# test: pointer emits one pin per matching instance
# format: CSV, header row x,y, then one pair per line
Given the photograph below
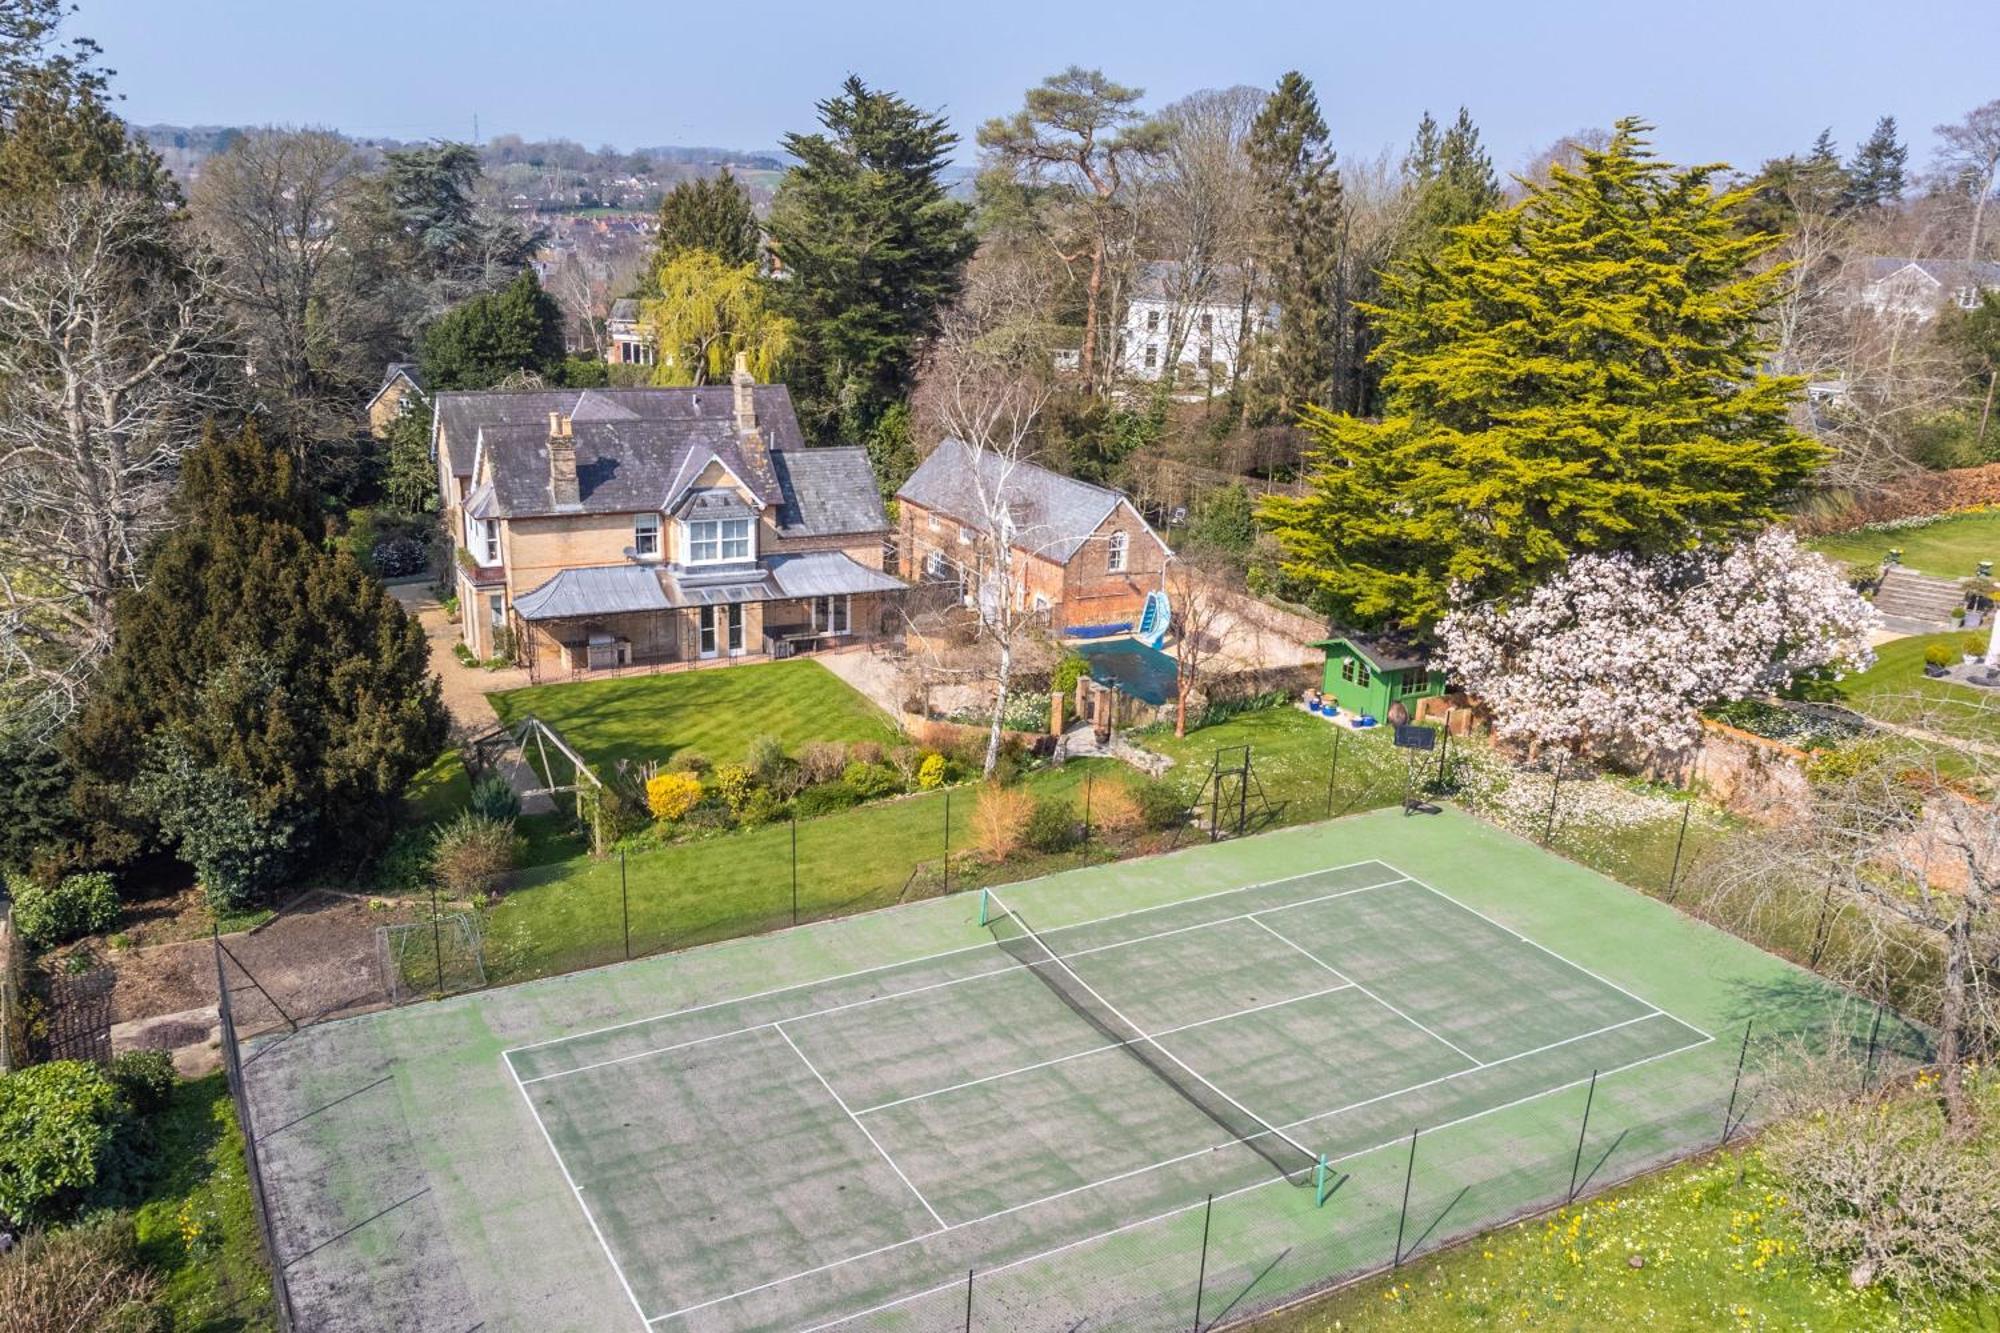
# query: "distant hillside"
x,y
559,171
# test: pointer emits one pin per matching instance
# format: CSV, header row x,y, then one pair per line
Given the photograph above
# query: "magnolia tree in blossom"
x,y
1619,653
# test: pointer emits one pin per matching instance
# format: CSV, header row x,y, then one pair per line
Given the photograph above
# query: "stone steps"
x,y
1906,595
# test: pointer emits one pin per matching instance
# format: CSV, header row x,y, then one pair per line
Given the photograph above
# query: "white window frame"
x,y
496,610
935,526
646,536
715,534
1115,552
833,614
1152,356
489,541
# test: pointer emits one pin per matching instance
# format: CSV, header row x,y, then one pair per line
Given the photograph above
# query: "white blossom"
x,y
1619,653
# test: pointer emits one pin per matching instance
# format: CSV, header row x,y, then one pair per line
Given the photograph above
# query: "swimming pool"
x,y
1147,674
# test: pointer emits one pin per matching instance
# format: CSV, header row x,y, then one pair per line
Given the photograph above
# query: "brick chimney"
x,y
562,462
748,434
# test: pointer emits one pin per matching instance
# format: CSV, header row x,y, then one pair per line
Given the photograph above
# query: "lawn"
x,y
1895,689
569,913
714,713
195,1221
1949,548
1702,1246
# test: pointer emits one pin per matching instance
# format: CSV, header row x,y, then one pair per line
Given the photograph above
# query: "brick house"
x,y
1083,554
606,528
627,341
402,391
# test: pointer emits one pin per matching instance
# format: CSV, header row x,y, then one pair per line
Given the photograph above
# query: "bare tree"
x,y
985,387
582,298
1969,159
1892,869
109,361
1197,590
272,208
1196,205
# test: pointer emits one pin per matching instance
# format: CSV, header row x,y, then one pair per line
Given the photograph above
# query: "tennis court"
x,y
795,1157
1117,1097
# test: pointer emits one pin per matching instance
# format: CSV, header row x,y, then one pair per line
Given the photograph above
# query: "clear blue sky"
x,y
1736,80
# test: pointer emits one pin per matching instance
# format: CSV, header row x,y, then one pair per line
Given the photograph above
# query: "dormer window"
x,y
717,540
646,536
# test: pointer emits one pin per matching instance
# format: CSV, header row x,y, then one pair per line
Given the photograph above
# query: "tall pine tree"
x,y
711,213
1300,221
266,702
1876,175
872,247
1581,372
1450,177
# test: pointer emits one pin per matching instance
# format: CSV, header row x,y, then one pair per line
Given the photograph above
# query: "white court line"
x,y
1426,1030
1119,1014
1002,971
1602,1075
837,1101
1550,952
577,1190
947,953
1109,1046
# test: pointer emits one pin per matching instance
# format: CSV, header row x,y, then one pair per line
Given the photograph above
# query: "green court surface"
x,y
1132,1089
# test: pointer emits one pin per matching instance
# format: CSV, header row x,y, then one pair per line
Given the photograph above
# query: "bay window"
x,y
714,540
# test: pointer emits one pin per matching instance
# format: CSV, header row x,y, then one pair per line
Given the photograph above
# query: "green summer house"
x,y
1367,673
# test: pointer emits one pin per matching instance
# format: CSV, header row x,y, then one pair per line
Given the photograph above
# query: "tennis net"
x,y
1020,942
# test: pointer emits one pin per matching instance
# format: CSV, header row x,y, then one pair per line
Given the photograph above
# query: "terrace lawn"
x,y
1895,689
571,912
716,713
1949,548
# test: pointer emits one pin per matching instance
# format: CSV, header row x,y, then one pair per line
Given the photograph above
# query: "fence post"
x,y
1201,1274
1729,1113
1409,1174
1582,1130
437,937
947,842
1243,794
1825,920
1444,748
1674,872
1874,1031
968,1299
1332,772
624,904
1088,778
1555,788
795,870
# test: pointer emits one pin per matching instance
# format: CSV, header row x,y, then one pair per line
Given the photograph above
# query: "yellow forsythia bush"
x,y
671,795
1000,820
930,773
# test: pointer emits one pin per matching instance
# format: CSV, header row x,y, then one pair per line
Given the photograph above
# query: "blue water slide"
x,y
1154,620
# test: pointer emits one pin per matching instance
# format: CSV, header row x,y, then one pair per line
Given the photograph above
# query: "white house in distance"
x,y
1213,326
1918,289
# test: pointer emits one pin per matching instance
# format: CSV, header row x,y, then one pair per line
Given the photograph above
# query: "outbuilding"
x,y
1365,673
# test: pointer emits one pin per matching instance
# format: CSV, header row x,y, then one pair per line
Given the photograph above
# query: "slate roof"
x,y
828,491
580,594
1385,652
596,591
1949,273
395,370
624,310
639,450
1053,515
1155,277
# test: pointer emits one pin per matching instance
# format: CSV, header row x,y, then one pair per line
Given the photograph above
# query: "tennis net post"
x,y
985,907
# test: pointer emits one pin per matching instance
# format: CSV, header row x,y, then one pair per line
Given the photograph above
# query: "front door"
x,y
736,629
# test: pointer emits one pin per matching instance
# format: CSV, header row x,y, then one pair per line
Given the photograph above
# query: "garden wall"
x,y
1918,495
1748,775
